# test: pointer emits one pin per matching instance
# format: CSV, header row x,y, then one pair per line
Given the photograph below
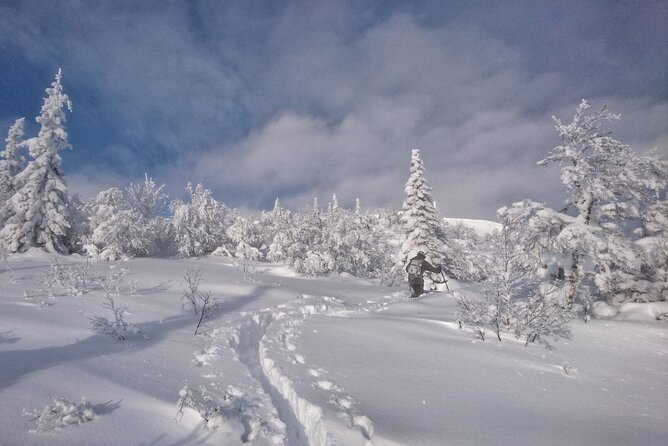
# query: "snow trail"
x,y
258,335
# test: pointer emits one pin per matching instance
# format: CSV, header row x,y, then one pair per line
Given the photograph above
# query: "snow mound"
x,y
643,311
481,227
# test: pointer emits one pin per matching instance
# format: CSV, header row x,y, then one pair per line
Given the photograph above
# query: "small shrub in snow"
x,y
118,328
541,314
112,285
38,299
60,413
202,401
73,280
474,314
7,266
202,304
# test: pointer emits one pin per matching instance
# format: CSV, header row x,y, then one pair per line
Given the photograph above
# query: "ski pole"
x,y
445,281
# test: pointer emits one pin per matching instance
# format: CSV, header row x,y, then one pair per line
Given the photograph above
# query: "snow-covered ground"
x,y
481,227
298,361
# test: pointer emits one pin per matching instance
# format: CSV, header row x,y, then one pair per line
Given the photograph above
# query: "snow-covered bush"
x,y
112,225
275,229
73,279
466,261
117,328
147,202
112,285
128,224
199,227
203,402
60,413
538,314
473,313
246,235
523,291
541,314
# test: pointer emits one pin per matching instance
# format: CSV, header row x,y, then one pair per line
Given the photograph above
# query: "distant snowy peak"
x,y
481,227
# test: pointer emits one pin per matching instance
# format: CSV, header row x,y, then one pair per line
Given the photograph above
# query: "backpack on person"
x,y
414,269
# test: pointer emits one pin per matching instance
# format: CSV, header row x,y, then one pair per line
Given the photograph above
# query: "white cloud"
x,y
455,96
297,102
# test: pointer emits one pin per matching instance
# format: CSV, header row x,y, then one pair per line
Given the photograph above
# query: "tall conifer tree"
x,y
422,227
11,163
39,207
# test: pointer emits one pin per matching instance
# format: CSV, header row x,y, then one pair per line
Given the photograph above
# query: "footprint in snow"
x,y
343,403
202,357
327,385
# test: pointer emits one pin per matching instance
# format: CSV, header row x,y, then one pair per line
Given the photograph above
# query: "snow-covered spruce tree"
x,y
199,226
112,225
11,163
147,202
305,254
609,187
276,232
348,241
39,207
422,225
80,231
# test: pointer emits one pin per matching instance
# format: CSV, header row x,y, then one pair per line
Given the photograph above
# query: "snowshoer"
x,y
415,269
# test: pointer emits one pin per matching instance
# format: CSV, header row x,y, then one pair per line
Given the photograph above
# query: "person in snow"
x,y
415,269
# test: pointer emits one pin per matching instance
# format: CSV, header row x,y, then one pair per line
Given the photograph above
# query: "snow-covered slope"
x,y
481,227
297,361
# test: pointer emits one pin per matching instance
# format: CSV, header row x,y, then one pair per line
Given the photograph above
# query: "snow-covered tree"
x,y
422,225
128,224
464,248
11,162
148,202
80,230
246,237
199,226
305,252
146,198
348,241
512,271
276,229
525,278
112,225
610,189
39,207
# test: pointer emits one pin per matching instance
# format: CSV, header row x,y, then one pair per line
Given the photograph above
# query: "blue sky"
x,y
301,99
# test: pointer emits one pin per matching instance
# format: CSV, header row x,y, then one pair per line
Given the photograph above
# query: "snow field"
x,y
326,361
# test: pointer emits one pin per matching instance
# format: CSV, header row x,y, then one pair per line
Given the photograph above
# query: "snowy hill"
x,y
297,361
481,227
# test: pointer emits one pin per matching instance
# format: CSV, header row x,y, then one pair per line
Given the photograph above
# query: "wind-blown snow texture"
x,y
324,361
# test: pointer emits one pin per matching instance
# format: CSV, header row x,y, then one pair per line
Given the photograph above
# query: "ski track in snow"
x,y
294,420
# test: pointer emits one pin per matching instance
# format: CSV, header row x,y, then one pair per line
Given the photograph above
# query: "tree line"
x,y
608,241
